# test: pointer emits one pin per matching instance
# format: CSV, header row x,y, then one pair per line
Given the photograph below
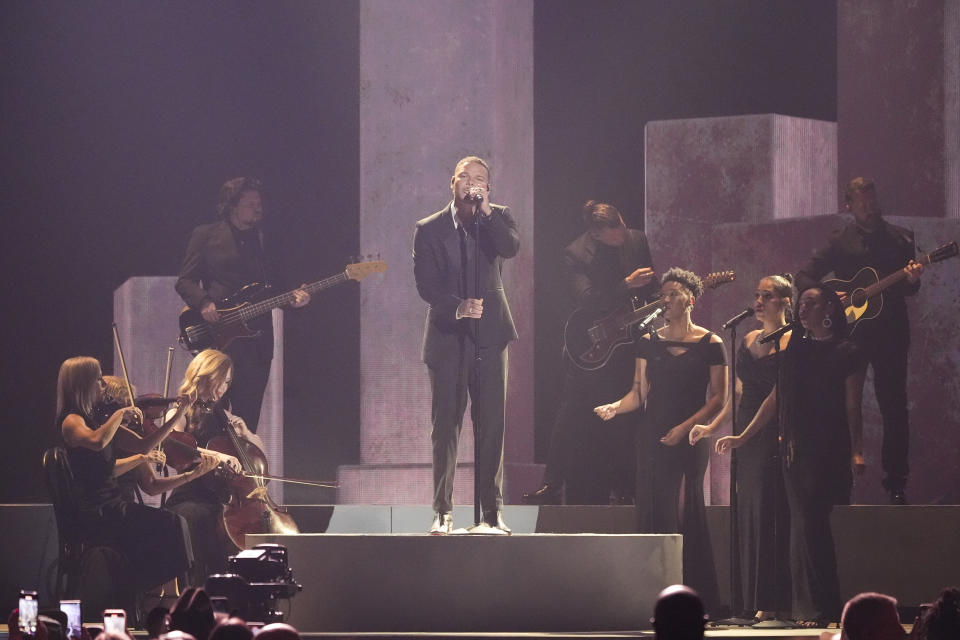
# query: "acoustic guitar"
x,y
864,291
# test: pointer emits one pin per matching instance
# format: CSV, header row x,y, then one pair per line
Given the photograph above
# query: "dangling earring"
x,y
827,322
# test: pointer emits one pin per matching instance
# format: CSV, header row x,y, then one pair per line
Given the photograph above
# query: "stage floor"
x,y
731,633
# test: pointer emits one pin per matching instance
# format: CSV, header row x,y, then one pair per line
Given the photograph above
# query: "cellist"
x,y
206,380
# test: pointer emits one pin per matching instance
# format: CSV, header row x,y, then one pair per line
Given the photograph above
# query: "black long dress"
x,y
154,543
678,385
816,466
763,519
201,504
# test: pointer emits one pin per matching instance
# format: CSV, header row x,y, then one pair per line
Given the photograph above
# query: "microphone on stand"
x,y
737,319
779,332
642,327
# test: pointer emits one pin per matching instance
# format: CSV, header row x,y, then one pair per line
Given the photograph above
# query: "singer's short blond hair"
x,y
469,160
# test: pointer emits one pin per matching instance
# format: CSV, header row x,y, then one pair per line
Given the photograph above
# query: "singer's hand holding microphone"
x,y
478,195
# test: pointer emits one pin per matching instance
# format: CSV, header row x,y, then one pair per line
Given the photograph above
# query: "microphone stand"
x,y
479,526
776,622
736,601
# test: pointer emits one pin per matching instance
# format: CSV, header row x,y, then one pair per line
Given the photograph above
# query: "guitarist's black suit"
x,y
594,458
884,339
219,261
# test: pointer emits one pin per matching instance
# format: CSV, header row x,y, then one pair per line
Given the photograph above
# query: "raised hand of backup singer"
x,y
633,399
607,411
698,432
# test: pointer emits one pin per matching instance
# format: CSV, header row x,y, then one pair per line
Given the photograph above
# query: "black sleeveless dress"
x,y
763,519
678,386
201,504
154,542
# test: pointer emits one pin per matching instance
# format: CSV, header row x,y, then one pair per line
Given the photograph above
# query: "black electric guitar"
x,y
864,292
589,338
251,301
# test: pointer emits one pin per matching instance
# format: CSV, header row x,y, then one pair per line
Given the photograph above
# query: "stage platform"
x,y
910,552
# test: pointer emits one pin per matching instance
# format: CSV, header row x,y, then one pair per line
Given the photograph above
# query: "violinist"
x,y
206,380
143,476
153,541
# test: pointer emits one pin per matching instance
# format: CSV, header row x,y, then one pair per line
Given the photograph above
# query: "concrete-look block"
x,y
739,169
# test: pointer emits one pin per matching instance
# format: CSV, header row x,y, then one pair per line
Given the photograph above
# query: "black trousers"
x,y
812,490
593,457
662,472
251,369
885,345
450,382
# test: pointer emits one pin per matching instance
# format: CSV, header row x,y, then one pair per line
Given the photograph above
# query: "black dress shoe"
x,y
897,496
547,494
495,519
442,523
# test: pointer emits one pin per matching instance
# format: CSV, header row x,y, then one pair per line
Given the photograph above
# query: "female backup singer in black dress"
x,y
152,541
822,380
680,381
762,517
206,380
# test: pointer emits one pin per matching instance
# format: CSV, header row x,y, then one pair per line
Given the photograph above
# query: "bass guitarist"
x,y
871,241
221,259
606,266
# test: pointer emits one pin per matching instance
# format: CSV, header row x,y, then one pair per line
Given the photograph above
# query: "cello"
x,y
249,509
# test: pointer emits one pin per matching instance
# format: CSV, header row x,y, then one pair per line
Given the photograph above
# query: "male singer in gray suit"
x,y
447,247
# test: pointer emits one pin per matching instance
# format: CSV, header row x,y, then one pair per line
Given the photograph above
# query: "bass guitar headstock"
x,y
360,270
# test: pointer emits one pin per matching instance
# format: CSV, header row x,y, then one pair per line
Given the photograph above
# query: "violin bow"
x,y
123,365
309,483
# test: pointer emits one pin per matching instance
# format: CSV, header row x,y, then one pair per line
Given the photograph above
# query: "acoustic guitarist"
x,y
221,259
871,241
605,266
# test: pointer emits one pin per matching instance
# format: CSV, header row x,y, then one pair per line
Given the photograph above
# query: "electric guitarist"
x,y
606,266
222,258
871,241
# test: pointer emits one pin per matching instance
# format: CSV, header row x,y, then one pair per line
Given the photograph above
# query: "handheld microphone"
x,y
737,319
790,326
474,194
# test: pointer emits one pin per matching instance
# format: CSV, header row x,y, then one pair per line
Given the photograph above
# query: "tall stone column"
x,y
439,80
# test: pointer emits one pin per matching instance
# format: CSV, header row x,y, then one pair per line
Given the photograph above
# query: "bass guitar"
x,y
863,299
589,338
253,300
